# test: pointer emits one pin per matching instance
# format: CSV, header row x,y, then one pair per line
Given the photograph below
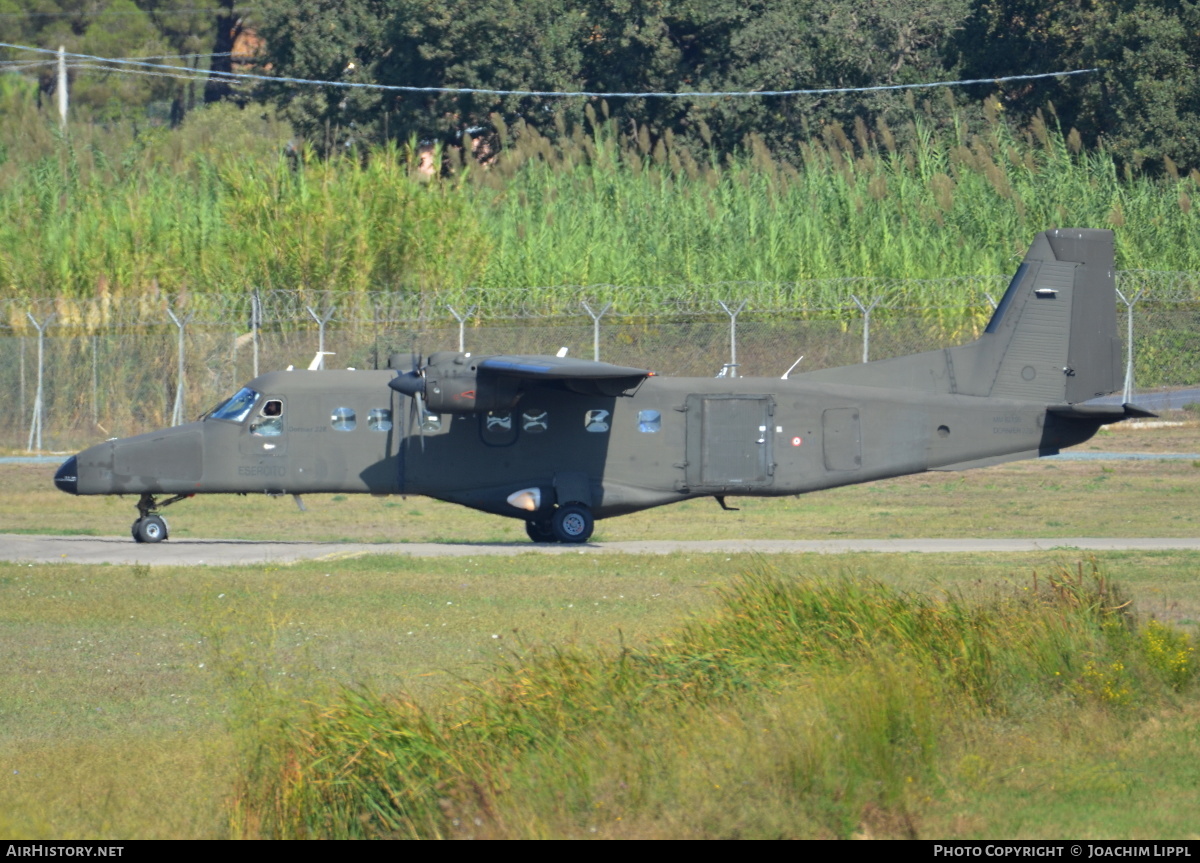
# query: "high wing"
x,y
456,382
535,367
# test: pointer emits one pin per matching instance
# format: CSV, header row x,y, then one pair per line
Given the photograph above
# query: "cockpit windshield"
x,y
238,407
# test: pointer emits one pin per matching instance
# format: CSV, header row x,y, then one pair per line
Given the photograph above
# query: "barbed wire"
x,y
814,298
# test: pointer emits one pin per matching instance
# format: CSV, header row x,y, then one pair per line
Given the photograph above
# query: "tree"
x,y
1143,101
597,46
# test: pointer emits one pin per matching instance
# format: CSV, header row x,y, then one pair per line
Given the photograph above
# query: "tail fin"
x,y
1053,337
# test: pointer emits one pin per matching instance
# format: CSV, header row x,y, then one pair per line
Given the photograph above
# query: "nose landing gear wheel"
x,y
540,531
150,528
573,523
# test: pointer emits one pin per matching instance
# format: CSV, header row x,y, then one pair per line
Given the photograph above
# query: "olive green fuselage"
x,y
667,440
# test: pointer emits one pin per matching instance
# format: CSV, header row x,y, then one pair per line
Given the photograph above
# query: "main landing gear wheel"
x,y
540,531
573,523
150,528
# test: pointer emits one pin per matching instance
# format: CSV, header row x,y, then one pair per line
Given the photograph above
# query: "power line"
x,y
52,61
695,94
150,12
182,56
183,73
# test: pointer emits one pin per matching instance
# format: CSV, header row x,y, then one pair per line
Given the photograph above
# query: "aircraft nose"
x,y
67,477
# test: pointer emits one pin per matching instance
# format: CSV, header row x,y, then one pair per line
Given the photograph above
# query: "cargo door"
x,y
729,442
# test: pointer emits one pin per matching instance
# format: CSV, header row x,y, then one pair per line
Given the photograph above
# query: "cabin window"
x,y
343,419
649,421
270,420
596,421
498,428
237,408
535,421
379,419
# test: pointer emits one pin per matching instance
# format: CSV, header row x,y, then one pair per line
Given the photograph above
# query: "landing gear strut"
x,y
150,526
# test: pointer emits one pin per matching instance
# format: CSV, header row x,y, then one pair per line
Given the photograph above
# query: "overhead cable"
x,y
694,94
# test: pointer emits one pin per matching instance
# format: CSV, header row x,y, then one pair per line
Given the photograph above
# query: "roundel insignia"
x,y
796,441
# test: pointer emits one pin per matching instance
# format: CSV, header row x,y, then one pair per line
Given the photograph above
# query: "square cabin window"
x,y
649,421
379,419
343,419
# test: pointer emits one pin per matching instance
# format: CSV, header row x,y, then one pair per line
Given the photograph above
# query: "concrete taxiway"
x,y
229,552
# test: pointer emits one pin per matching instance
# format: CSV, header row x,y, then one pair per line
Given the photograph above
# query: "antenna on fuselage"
x,y
318,362
790,368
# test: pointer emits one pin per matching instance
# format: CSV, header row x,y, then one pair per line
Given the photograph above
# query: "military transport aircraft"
x,y
560,442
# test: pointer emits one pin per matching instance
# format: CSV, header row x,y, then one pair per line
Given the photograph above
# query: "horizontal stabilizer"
x,y
1099,413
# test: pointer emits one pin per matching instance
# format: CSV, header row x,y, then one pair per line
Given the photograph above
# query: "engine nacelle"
x,y
451,383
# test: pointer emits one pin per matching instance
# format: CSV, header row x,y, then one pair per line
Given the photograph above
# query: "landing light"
x,y
528,499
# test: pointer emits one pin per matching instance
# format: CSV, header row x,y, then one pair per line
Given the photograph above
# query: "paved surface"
x,y
221,552
1157,401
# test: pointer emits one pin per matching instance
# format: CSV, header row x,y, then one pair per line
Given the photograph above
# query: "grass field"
x,y
131,698
135,701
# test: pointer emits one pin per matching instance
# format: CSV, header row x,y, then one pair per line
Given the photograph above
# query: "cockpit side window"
x,y
269,422
237,408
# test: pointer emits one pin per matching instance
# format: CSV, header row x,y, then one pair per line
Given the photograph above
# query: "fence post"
x,y
733,316
177,410
595,316
321,322
95,380
39,405
21,372
1127,395
866,312
462,323
255,325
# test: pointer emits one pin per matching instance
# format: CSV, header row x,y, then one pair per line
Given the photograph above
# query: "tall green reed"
x,y
99,210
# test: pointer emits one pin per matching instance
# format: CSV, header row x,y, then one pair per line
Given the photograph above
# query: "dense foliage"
x,y
173,32
1140,103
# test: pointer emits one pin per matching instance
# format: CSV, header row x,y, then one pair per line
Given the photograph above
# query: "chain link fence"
x,y
75,371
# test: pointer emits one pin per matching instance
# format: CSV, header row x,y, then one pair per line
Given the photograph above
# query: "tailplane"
x,y
1053,337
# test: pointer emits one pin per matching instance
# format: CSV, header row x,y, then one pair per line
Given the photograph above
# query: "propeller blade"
x,y
412,414
412,384
420,403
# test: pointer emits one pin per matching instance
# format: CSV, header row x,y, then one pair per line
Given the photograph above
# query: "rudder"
x,y
1055,330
